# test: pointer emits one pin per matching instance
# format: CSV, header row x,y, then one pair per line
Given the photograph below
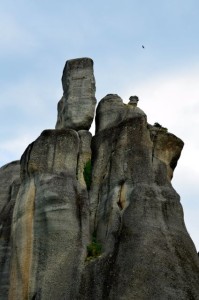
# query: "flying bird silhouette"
x,y
143,47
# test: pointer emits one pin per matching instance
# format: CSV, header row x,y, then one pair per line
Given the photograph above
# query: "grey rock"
x,y
50,220
133,100
84,155
166,148
8,174
111,111
9,186
117,232
77,106
136,215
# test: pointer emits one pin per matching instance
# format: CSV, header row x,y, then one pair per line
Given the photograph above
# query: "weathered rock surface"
x,y
9,186
84,155
117,233
136,214
77,106
50,220
166,148
112,111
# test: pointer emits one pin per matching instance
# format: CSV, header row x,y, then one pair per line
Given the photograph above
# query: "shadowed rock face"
x,y
118,233
9,186
135,212
77,106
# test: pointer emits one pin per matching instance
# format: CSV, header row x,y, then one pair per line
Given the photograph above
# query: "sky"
x,y
37,37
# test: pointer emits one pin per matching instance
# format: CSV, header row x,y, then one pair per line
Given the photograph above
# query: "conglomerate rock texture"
x,y
96,218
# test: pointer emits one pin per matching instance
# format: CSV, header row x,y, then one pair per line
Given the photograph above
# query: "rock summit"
x,y
95,218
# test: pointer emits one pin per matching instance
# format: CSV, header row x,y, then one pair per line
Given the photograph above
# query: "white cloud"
x,y
169,97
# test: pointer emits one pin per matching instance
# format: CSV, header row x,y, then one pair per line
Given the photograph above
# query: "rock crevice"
x,y
95,217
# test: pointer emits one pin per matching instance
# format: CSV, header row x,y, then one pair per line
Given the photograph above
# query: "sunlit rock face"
x,y
95,217
77,106
166,148
9,186
50,220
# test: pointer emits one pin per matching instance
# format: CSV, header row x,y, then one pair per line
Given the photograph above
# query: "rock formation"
x,y
96,217
135,212
76,107
9,186
50,219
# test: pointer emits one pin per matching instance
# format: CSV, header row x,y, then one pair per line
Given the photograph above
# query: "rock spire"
x,y
89,218
77,106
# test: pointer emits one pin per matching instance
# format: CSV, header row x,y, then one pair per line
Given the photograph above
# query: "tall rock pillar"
x,y
77,106
50,224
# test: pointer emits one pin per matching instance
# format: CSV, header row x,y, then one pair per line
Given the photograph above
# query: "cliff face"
x,y
9,186
136,214
50,220
115,233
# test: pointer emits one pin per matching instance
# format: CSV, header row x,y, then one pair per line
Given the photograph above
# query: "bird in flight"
x,y
143,46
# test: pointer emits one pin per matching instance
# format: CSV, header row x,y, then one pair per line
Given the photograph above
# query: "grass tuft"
x,y
88,174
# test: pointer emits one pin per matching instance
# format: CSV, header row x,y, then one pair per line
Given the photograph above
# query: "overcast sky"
x,y
37,37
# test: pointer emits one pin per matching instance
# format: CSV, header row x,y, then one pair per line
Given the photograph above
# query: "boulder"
x,y
77,106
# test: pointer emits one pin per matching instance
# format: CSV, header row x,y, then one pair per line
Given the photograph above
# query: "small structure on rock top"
x,y
133,101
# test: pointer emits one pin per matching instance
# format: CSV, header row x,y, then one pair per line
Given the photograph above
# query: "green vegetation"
x,y
94,249
88,174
